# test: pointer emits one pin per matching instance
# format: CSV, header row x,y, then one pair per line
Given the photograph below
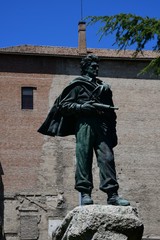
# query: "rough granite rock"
x,y
100,222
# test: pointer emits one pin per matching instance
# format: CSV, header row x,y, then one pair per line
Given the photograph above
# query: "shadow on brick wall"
x,y
2,237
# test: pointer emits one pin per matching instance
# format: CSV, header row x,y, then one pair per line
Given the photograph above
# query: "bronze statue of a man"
x,y
85,108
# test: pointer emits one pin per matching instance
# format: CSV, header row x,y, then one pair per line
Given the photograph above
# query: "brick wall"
x,y
21,143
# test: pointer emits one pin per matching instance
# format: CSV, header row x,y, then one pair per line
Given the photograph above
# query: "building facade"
x,y
37,172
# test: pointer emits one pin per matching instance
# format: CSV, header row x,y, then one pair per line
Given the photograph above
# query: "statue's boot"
x,y
86,199
114,199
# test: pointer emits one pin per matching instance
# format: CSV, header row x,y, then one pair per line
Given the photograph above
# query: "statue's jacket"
x,y
61,119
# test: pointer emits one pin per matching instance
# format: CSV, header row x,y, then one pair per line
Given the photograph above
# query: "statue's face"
x,y
92,70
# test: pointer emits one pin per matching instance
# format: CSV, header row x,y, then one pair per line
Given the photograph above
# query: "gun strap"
x,y
92,94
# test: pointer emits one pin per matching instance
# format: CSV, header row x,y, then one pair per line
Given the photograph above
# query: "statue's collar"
x,y
89,79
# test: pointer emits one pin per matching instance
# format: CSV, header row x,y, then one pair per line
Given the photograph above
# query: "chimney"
x,y
82,38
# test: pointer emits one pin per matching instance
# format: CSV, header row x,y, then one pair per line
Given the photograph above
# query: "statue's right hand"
x,y
88,107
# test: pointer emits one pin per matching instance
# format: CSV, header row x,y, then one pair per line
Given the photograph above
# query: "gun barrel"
x,y
104,106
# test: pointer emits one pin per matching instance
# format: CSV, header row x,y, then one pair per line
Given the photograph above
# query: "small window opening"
x,y
27,97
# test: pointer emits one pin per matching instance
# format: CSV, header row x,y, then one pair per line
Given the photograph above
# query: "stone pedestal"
x,y
100,222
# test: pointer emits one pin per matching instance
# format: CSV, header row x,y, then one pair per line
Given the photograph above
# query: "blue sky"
x,y
55,22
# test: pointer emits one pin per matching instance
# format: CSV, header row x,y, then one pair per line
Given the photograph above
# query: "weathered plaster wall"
x,y
137,155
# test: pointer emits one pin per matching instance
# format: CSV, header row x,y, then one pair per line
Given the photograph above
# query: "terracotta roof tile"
x,y
68,51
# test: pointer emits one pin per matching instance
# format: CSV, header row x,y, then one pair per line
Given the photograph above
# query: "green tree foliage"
x,y
131,30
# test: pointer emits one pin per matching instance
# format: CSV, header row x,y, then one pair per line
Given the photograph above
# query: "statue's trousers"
x,y
91,136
